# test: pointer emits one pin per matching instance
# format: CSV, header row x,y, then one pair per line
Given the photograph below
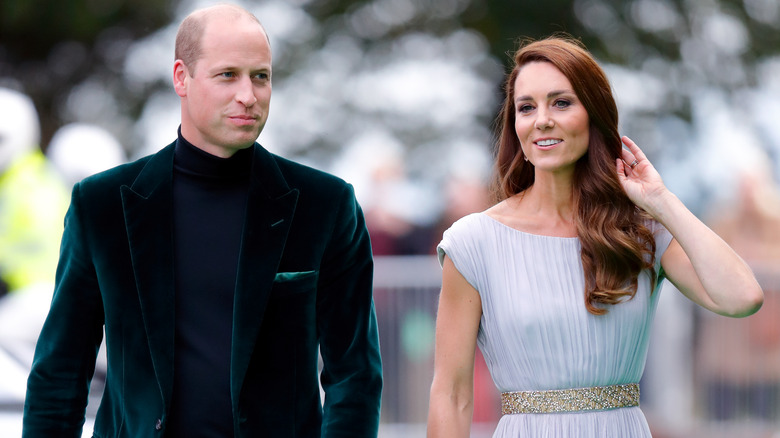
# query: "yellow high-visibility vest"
x,y
33,202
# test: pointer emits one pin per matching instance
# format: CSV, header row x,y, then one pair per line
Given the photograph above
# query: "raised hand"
x,y
639,179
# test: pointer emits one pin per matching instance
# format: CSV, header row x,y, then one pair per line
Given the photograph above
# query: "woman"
x,y
579,216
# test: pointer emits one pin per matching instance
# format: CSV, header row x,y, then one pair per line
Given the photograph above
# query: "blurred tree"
x,y
716,42
49,46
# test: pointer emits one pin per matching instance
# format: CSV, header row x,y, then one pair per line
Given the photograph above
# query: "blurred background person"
x,y
738,360
33,201
400,211
34,196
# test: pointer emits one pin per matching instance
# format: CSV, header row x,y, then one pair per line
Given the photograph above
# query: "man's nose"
x,y
245,94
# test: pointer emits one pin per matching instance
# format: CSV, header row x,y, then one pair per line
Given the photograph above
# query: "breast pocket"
x,y
291,308
294,283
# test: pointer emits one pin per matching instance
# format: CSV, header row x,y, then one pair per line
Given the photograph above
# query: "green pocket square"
x,y
290,276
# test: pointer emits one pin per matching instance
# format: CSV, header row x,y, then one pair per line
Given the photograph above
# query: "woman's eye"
x,y
524,108
561,103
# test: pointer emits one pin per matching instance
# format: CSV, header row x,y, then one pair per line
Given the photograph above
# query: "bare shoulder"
x,y
529,217
509,212
500,210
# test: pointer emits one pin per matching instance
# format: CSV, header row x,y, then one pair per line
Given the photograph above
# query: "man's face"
x,y
225,95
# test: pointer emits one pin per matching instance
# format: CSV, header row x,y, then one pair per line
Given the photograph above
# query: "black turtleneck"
x,y
209,203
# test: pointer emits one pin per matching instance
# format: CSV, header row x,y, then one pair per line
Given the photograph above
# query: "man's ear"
x,y
180,76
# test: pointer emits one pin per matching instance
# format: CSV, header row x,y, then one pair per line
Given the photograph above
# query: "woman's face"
x,y
550,121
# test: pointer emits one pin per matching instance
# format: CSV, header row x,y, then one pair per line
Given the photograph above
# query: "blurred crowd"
x,y
700,366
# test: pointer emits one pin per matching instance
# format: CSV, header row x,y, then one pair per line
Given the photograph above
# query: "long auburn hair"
x,y
616,244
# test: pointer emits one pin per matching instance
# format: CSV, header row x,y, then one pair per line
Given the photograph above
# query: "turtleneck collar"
x,y
194,162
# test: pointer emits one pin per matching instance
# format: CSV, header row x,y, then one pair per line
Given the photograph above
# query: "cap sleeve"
x,y
460,244
662,240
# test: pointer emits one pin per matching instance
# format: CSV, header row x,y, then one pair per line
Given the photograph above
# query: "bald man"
x,y
218,272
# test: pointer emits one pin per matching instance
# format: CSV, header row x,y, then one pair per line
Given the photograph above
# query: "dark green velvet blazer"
x,y
304,281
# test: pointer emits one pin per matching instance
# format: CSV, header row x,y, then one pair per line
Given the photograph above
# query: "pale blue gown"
x,y
535,332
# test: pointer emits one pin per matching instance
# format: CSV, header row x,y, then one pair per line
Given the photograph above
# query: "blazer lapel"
x,y
149,222
270,208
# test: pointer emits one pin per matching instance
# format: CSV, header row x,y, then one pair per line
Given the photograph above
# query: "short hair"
x,y
191,29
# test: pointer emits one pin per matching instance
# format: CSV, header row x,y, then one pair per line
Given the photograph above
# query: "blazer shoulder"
x,y
306,178
108,182
117,175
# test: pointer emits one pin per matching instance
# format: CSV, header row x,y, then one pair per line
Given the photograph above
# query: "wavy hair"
x,y
616,243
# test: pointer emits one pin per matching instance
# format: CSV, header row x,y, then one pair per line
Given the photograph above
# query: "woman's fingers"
x,y
627,157
638,154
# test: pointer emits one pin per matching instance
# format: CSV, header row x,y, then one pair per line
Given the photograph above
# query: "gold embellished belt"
x,y
570,400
